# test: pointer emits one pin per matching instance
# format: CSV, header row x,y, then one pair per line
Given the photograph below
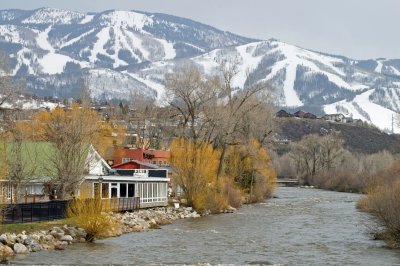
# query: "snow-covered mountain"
x,y
49,45
308,80
122,53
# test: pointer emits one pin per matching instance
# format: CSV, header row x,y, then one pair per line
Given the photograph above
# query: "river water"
x,y
300,226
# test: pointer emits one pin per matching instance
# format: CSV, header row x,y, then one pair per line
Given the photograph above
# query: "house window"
x,y
165,162
114,190
131,190
96,190
104,190
154,162
122,190
125,160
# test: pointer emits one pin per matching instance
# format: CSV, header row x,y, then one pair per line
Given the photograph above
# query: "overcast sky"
x,y
359,29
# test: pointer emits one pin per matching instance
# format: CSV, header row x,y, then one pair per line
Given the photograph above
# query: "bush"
x,y
383,203
231,193
89,215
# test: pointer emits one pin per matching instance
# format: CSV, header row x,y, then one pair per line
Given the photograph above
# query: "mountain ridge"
x,y
124,53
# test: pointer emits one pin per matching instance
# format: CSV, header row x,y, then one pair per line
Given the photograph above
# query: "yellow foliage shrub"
x,y
88,213
195,165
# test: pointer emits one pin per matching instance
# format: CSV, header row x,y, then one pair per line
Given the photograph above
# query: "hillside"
x,y
358,138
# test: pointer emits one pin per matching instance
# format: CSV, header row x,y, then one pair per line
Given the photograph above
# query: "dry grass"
x,y
383,203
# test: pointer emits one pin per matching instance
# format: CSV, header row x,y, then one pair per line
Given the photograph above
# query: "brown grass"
x,y
383,203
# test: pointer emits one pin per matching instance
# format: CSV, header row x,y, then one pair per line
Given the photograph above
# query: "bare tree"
x,y
189,92
331,150
306,154
69,132
21,159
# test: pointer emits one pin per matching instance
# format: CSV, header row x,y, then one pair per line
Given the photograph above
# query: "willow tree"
x,y
250,166
195,164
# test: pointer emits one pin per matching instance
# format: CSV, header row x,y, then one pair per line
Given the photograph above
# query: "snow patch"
x,y
98,48
86,19
379,67
126,19
53,16
169,49
159,88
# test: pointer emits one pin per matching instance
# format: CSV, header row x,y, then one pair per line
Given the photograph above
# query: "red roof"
x,y
135,164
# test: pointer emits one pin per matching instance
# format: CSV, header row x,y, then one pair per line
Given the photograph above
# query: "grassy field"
x,y
31,227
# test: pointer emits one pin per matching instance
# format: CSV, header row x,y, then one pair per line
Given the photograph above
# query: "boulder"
x,y
48,238
67,238
143,223
6,252
10,240
47,246
36,237
20,248
32,245
60,245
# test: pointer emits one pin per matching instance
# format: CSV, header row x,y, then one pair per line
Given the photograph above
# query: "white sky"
x,y
360,29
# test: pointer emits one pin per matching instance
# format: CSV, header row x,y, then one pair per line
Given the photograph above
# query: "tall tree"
x,y
195,164
70,133
189,92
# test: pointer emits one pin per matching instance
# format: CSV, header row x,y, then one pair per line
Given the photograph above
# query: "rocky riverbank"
x,y
60,237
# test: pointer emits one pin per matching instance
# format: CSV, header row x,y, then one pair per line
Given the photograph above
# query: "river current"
x,y
298,227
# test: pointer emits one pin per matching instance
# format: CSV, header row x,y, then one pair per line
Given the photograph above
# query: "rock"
x,y
6,252
67,238
20,248
143,224
47,246
22,237
35,237
48,238
57,232
10,240
60,245
183,201
35,247
80,232
3,239
32,244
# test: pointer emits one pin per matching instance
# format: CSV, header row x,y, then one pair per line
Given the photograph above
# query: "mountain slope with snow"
x,y
302,79
124,53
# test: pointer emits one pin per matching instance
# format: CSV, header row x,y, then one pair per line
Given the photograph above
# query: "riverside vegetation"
x,y
323,161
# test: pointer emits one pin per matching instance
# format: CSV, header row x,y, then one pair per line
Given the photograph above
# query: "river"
x,y
300,226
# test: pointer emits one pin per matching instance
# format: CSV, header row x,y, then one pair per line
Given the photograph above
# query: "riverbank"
x,y
59,237
298,227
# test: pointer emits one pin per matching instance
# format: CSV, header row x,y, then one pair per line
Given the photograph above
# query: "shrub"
x,y
195,164
231,193
89,214
383,203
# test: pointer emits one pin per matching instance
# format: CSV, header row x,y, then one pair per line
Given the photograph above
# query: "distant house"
x,y
335,117
299,114
309,116
283,113
348,119
156,157
302,114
